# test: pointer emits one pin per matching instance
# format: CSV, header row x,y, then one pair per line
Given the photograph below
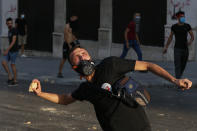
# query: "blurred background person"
x,y
21,26
181,52
71,26
131,38
11,53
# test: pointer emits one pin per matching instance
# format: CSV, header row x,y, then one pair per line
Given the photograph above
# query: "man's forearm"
x,y
56,98
142,66
50,97
169,40
11,45
160,72
168,43
192,36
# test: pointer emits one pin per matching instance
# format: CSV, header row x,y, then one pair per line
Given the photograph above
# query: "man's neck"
x,y
179,23
90,77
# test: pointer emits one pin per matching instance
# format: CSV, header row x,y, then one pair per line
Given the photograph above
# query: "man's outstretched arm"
x,y
63,99
156,69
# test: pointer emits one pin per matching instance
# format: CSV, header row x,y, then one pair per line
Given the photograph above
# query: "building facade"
x,y
101,24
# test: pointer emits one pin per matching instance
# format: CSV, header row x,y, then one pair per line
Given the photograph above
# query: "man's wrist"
x,y
39,94
174,80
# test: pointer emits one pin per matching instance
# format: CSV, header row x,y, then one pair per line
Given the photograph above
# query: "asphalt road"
x,y
170,110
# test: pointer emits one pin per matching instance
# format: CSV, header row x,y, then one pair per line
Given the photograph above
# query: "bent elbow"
x,y
150,66
63,103
65,99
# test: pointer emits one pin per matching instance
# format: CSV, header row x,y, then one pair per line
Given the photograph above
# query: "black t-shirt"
x,y
181,32
21,26
111,113
11,33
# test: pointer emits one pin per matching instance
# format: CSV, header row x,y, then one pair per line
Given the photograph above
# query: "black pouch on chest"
x,y
128,89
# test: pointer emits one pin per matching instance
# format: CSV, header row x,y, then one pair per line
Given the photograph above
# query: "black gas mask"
x,y
85,67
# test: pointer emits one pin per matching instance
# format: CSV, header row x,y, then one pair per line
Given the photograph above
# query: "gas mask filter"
x,y
85,68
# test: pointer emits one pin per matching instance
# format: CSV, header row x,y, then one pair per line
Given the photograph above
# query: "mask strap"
x,y
74,67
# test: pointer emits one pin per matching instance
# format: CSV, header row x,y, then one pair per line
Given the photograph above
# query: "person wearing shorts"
x,y
11,53
71,26
21,26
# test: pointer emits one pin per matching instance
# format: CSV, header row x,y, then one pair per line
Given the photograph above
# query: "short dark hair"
x,y
9,19
71,50
180,13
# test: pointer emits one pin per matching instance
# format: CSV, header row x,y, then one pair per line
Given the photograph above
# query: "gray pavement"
x,y
169,110
23,111
46,68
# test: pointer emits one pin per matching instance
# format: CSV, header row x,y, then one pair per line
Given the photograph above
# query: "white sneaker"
x,y
23,55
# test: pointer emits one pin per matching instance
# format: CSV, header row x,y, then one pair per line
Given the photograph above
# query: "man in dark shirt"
x,y
71,26
11,53
112,113
131,38
21,26
181,52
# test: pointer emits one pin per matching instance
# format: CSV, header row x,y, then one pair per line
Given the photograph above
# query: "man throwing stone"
x,y
112,113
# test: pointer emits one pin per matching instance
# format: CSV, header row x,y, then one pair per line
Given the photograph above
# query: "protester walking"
x,y
181,52
11,53
131,38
